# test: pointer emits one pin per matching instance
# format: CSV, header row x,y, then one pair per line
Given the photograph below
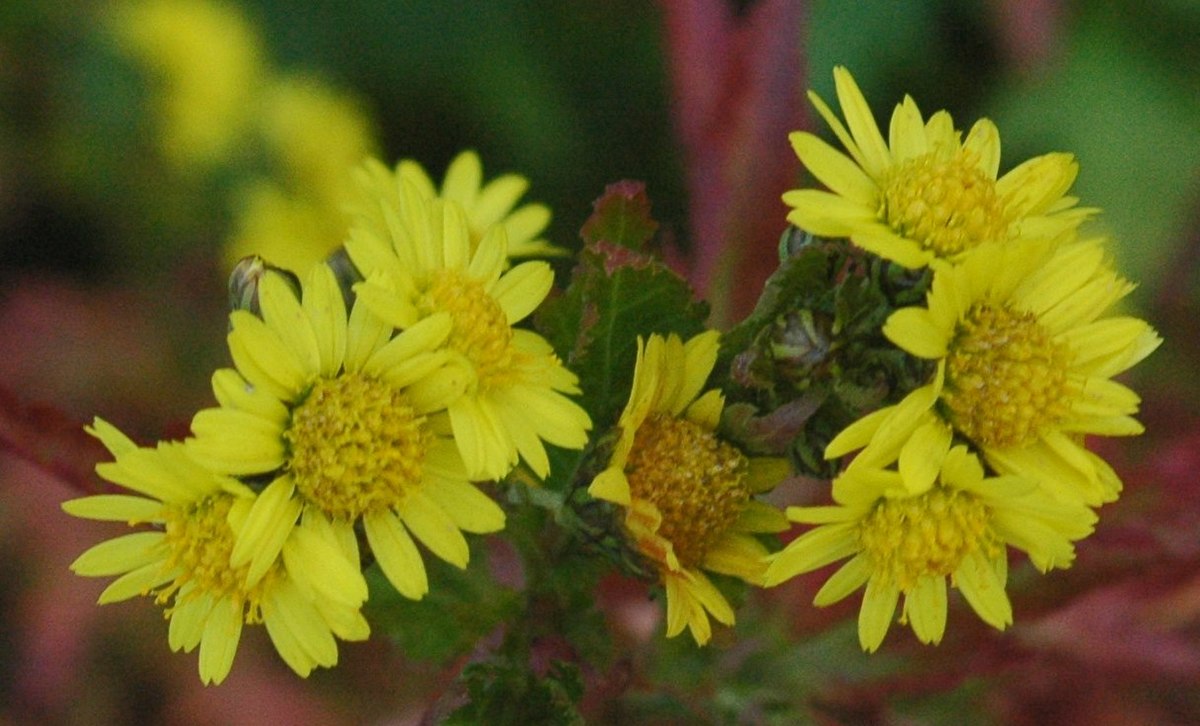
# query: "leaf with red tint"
x,y
621,216
49,439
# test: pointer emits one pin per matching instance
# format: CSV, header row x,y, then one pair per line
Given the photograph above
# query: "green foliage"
x,y
812,357
462,606
502,692
617,293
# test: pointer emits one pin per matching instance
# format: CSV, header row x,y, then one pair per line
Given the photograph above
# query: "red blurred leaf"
x,y
51,440
737,81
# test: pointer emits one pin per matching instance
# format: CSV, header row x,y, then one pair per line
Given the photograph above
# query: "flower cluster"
x,y
988,453
373,397
375,419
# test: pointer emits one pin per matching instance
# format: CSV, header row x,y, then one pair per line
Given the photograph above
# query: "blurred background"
x,y
145,146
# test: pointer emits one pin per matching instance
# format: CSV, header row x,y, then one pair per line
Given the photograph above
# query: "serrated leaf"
x,y
621,216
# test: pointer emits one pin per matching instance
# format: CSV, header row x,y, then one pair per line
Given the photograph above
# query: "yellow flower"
x,y
1025,360
906,537
315,138
485,205
208,62
350,422
418,261
184,560
687,494
923,195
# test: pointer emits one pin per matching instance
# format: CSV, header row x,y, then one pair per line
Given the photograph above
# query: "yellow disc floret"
x,y
199,541
481,330
697,482
1005,377
356,445
925,536
948,205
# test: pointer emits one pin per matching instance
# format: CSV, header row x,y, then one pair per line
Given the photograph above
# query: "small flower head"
x,y
350,422
906,535
421,262
184,560
924,195
486,205
687,494
1025,363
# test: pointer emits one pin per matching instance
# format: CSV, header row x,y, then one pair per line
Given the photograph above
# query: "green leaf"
x,y
621,216
462,606
500,691
615,295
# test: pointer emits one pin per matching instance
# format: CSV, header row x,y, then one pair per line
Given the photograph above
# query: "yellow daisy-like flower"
x,y
184,560
906,537
485,204
1025,361
209,62
687,494
350,421
924,195
420,261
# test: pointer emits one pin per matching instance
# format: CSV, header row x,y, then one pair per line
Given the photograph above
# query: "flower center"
x,y
356,445
947,205
1005,377
481,331
199,542
697,482
928,535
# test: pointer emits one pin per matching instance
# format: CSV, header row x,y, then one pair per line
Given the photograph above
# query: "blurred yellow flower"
x,y
419,260
207,61
315,137
906,535
184,560
924,196
687,494
350,423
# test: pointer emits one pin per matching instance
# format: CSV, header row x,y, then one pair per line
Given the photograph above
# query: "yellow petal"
x,y
396,554
925,606
876,158
430,524
977,580
875,616
219,643
120,555
834,169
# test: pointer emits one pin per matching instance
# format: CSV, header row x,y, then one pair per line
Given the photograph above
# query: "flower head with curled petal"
x,y
924,196
906,533
1025,358
183,558
687,493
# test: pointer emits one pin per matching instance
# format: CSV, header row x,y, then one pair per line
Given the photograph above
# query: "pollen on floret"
x,y
927,535
357,445
198,541
1006,378
481,331
948,205
697,482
